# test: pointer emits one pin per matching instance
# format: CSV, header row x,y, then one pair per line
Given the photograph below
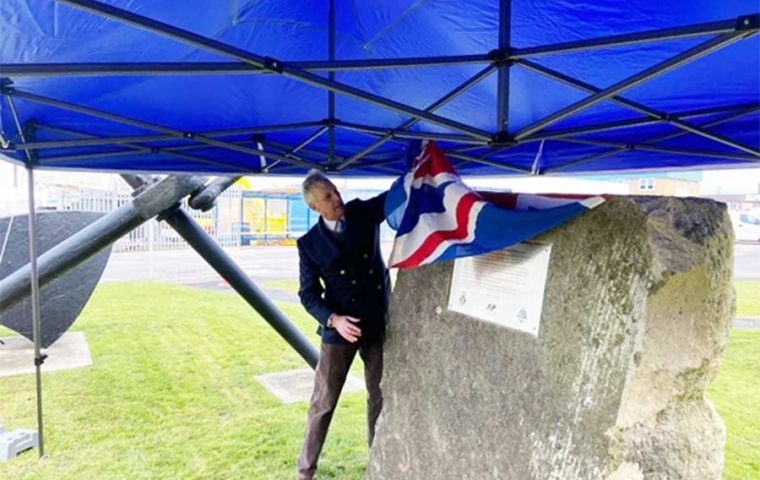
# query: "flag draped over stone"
x,y
437,217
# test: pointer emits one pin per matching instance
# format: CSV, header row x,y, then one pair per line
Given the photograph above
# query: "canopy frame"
x,y
459,137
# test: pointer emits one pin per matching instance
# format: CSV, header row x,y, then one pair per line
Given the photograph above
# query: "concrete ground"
x,y
747,261
69,351
265,264
186,267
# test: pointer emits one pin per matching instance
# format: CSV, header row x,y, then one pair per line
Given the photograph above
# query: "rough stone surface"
x,y
637,307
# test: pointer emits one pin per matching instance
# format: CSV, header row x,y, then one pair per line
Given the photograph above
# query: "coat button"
x,y
366,255
371,271
379,287
342,272
353,282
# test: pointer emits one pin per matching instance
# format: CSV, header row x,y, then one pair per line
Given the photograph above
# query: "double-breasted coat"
x,y
345,273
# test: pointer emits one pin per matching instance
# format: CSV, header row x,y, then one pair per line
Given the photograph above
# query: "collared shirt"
x,y
335,226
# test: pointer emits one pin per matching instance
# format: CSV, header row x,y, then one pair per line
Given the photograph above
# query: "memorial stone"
x,y
636,309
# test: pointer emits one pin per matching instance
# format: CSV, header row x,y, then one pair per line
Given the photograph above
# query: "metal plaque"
x,y
504,287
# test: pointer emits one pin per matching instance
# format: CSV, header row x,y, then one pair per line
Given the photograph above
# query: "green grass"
x,y
171,395
736,395
747,298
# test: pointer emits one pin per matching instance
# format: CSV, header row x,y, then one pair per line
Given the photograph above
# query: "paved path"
x,y
188,268
747,322
275,263
747,261
265,264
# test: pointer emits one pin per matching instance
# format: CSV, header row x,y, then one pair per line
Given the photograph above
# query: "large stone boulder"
x,y
636,312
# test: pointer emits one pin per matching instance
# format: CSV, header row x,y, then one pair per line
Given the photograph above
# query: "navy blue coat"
x,y
346,275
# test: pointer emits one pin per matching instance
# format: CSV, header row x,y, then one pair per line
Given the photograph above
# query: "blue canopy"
x,y
520,87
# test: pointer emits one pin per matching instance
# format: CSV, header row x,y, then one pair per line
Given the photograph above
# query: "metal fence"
x,y
240,217
226,222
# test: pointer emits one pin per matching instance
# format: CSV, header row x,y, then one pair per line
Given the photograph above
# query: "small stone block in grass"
x,y
69,351
296,385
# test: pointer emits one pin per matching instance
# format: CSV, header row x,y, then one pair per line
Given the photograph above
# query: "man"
x,y
342,251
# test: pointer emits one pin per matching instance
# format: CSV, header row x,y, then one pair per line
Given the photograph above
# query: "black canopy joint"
x,y
748,22
502,138
40,360
273,65
500,57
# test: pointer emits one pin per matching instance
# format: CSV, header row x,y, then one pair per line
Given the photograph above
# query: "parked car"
x,y
746,226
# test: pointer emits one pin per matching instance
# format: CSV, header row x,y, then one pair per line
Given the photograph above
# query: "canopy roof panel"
x,y
510,87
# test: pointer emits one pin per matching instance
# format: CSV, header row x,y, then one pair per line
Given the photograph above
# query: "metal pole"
x,y
711,28
502,94
674,62
490,163
94,141
34,282
39,358
271,64
210,251
98,235
652,148
331,77
241,217
266,220
308,140
407,134
431,108
654,115
602,127
172,151
218,259
226,68
659,138
187,136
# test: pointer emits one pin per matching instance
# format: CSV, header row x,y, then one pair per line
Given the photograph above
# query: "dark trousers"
x,y
332,369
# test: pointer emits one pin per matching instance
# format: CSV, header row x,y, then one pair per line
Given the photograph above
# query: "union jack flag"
x,y
437,217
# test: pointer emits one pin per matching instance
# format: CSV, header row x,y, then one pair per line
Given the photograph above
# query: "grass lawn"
x,y
171,395
736,395
747,298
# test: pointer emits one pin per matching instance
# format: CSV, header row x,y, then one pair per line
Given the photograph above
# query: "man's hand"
x,y
346,328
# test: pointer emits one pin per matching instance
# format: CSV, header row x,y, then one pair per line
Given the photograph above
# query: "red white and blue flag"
x,y
437,217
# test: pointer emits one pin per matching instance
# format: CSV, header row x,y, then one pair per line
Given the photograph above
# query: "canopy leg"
x,y
39,357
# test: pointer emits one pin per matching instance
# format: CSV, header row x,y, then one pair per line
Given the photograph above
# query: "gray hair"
x,y
312,178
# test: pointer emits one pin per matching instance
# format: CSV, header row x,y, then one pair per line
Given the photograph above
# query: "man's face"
x,y
325,199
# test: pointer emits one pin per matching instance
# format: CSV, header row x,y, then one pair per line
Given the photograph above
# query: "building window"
x,y
646,184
